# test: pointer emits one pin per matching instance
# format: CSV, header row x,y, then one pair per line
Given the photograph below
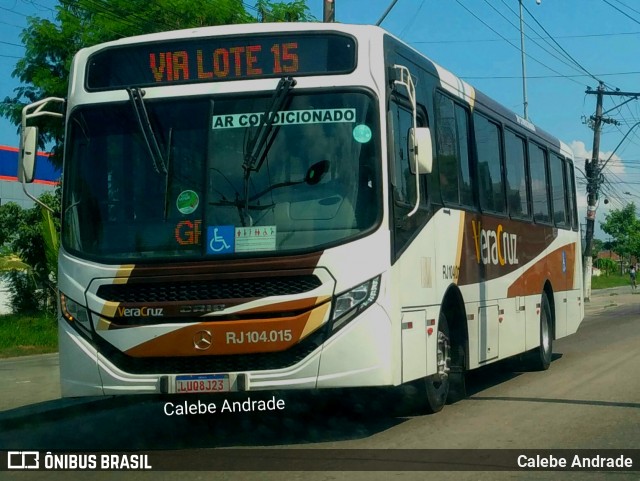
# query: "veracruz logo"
x,y
140,311
496,247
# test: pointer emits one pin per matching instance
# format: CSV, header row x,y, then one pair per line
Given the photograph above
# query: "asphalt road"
x,y
589,399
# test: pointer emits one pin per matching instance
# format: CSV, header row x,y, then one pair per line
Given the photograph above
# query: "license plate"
x,y
202,383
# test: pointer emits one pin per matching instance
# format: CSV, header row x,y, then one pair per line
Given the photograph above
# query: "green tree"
x,y
293,11
50,46
624,228
29,253
597,246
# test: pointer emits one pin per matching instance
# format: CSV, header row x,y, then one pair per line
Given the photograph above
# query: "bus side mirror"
x,y
28,153
420,147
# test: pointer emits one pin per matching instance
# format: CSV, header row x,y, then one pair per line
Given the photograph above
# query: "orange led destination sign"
x,y
219,59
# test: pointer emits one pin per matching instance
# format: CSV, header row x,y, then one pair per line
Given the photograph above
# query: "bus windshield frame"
x,y
119,206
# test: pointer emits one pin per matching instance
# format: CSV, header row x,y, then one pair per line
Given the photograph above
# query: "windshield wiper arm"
x,y
135,95
258,145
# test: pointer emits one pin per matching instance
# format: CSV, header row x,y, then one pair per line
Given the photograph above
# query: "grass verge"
x,y
26,334
602,282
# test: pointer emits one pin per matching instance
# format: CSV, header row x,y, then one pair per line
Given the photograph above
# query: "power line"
x,y
625,5
412,19
386,12
36,4
527,36
539,37
514,46
11,24
12,44
559,46
13,11
623,13
489,77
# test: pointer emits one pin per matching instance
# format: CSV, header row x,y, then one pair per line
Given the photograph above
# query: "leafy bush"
x,y
608,266
24,294
30,239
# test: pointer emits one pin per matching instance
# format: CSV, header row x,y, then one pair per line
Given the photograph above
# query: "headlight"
x,y
76,314
353,302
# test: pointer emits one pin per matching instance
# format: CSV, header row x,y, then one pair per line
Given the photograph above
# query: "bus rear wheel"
x,y
540,358
437,385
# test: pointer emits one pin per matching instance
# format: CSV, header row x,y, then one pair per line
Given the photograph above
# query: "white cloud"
x,y
580,152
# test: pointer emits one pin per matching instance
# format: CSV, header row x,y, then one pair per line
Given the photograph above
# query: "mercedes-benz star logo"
x,y
202,340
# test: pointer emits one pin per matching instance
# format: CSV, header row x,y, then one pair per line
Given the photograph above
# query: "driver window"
x,y
403,182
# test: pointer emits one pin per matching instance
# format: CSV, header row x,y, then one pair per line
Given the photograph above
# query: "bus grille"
x,y
213,364
202,290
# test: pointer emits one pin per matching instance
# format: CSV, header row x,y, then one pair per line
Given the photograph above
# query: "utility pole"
x,y
594,174
329,11
593,177
525,101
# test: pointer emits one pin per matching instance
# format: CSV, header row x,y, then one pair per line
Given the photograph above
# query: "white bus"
x,y
281,206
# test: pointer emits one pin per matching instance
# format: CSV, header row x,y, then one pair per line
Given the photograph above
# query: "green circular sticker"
x,y
362,133
187,202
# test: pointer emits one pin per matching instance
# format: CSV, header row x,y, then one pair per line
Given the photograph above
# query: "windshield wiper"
x,y
259,144
135,95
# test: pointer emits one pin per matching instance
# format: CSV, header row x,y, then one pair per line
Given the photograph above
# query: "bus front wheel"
x,y
437,385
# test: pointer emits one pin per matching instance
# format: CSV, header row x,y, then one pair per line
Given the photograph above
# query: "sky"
x,y
570,46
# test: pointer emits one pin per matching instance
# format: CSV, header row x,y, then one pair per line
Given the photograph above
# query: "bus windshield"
x,y
318,183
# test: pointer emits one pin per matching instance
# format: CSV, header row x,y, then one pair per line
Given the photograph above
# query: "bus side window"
x,y
452,151
539,191
517,192
571,195
568,196
447,149
488,148
556,169
466,187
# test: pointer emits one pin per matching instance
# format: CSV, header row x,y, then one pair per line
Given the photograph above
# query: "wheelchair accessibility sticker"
x,y
226,239
221,239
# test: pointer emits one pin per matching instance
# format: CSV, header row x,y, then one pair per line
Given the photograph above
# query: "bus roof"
x,y
371,31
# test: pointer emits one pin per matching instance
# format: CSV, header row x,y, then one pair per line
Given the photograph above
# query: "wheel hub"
x,y
444,356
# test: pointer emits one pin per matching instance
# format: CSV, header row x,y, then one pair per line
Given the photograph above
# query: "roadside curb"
x,y
57,409
47,411
602,299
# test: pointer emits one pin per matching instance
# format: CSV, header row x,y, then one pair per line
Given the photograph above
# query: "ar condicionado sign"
x,y
219,59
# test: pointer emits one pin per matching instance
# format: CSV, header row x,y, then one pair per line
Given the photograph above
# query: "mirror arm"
x,y
404,79
28,112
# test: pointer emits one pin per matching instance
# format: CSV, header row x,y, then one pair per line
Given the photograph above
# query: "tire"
x,y
539,359
436,386
457,375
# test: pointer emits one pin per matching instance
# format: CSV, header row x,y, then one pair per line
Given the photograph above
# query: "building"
x,y
46,178
623,264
